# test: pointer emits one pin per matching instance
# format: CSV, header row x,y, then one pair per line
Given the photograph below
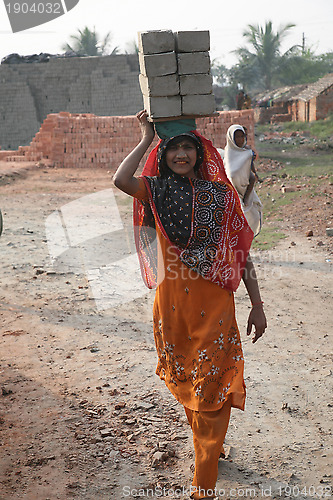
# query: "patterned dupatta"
x,y
201,218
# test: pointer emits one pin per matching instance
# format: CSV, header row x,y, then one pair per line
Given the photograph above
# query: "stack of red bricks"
x,y
4,154
86,140
9,155
215,128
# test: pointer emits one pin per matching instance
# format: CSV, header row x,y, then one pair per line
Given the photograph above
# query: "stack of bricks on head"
x,y
175,77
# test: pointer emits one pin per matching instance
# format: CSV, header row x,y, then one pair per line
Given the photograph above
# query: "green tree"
x,y
87,42
303,66
220,72
226,82
260,64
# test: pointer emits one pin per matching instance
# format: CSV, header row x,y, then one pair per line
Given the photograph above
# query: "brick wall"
x,y
283,117
106,86
215,128
264,115
312,109
302,111
324,104
293,110
87,140
316,108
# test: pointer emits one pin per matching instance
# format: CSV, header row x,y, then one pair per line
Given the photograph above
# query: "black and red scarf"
x,y
201,218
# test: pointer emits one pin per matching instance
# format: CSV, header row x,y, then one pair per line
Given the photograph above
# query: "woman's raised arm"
x,y
124,178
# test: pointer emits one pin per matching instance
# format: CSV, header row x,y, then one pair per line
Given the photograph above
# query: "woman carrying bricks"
x,y
193,241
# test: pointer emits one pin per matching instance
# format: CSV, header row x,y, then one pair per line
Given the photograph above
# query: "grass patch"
x,y
297,160
320,129
300,164
271,207
268,238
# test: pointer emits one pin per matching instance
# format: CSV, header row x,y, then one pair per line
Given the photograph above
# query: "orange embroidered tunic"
x,y
198,343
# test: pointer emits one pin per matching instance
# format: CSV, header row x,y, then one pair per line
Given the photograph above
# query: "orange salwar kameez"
x,y
200,356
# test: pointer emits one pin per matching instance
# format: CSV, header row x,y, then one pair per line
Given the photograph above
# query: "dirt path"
x,y
82,414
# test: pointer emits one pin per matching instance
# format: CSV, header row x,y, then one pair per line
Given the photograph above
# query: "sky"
x,y
226,22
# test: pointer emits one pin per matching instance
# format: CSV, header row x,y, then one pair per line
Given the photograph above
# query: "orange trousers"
x,y
209,429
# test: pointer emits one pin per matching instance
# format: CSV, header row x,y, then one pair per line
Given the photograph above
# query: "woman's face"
x,y
181,157
239,138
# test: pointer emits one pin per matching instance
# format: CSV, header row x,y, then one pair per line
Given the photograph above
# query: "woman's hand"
x,y
147,128
257,319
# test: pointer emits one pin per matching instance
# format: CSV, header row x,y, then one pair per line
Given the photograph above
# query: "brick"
x,y
198,104
156,42
4,154
163,107
195,84
285,117
158,64
105,141
192,41
192,63
159,85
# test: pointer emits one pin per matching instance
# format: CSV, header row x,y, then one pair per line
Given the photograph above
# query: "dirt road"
x,y
82,414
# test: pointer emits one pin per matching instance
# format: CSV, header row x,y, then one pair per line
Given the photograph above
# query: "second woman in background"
x,y
238,163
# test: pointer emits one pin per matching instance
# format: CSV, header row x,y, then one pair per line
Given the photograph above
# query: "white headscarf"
x,y
237,163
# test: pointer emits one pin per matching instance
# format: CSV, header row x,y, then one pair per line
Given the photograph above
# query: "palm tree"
x,y
265,54
87,42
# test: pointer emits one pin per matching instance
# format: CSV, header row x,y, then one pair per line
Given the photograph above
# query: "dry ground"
x,y
82,413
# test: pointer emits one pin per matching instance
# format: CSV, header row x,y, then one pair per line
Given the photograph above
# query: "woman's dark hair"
x,y
164,170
